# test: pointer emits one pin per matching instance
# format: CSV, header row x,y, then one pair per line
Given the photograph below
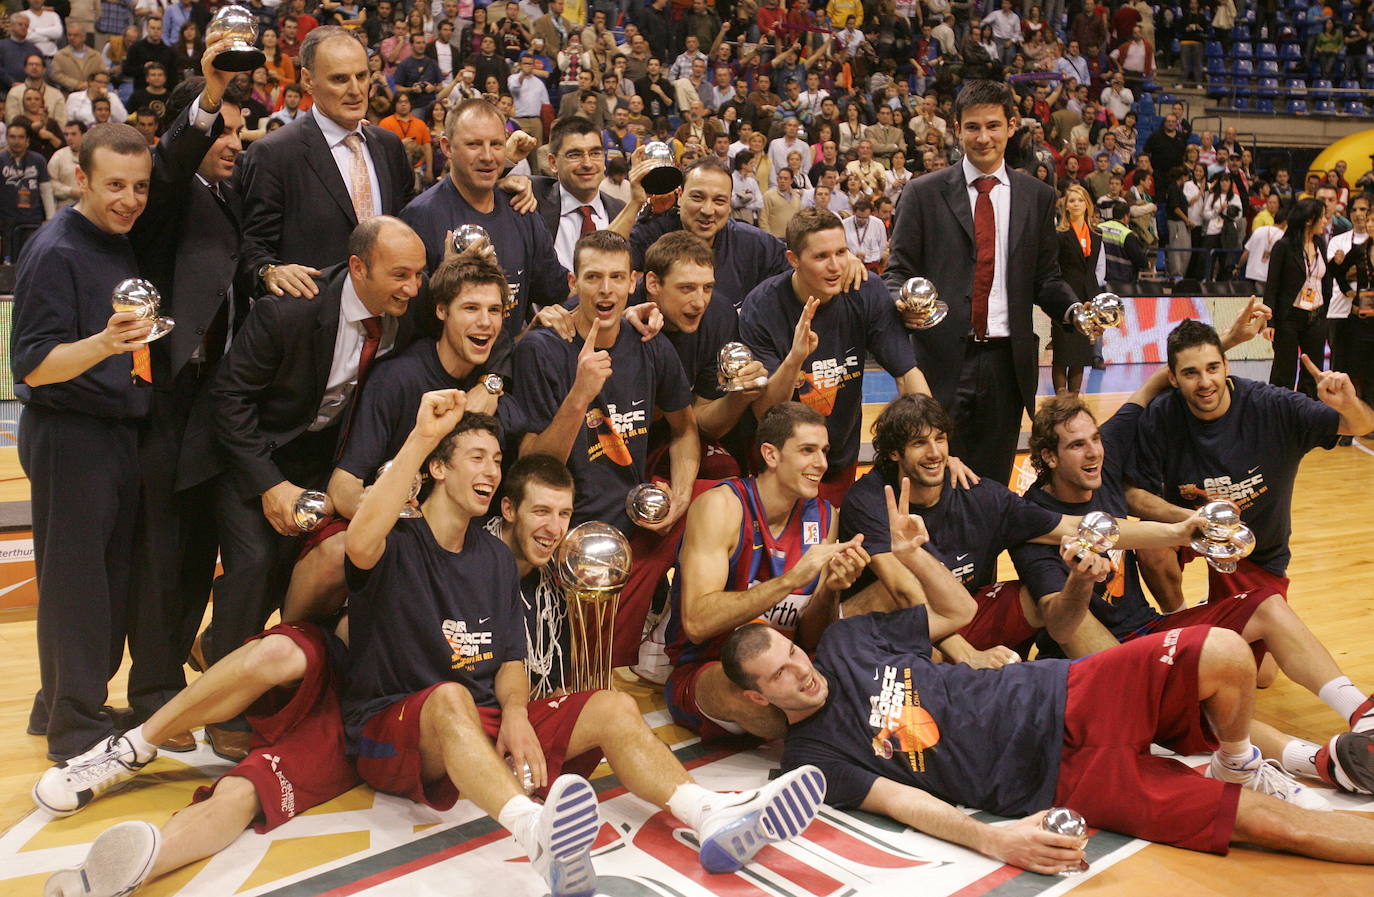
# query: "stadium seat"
x,y
1216,66
1290,52
1168,99
1240,103
1369,73
1350,84
1268,67
1268,51
1354,107
1212,49
1324,107
1321,89
1264,105
1217,87
1268,87
1296,107
1245,68
1240,32
1296,86
1242,50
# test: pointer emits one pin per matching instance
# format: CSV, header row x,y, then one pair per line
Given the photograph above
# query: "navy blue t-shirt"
x,y
848,328
609,455
1249,455
968,528
745,255
425,615
699,352
989,739
1119,603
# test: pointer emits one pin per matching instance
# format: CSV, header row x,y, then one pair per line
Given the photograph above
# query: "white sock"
x,y
1235,754
1341,695
520,816
1300,758
691,803
142,749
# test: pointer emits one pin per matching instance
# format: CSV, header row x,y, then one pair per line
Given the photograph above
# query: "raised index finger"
x,y
1317,374
589,345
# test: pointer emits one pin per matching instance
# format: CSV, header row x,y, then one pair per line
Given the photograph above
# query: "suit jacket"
x,y
1080,271
571,104
549,194
1288,275
296,206
268,388
925,244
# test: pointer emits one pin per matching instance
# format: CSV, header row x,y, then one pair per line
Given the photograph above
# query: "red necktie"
x,y
372,339
588,225
985,244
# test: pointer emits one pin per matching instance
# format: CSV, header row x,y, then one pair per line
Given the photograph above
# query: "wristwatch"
x,y
264,270
493,384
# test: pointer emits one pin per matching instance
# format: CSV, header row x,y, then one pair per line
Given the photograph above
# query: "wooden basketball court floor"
x,y
1333,590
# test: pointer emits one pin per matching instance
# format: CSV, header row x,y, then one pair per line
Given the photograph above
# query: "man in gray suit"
x,y
1002,259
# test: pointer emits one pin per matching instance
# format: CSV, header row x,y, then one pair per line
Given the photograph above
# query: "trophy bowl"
x,y
648,503
919,295
1098,532
734,358
1097,314
411,510
665,176
593,556
310,511
142,298
1063,821
465,236
241,28
1220,519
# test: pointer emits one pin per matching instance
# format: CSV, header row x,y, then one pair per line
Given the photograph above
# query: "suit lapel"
x,y
956,196
382,166
327,327
553,207
1020,212
321,161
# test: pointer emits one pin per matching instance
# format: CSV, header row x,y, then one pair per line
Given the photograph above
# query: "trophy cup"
x,y
1097,314
411,510
1224,540
593,563
142,298
648,503
1063,821
1097,532
733,358
465,236
524,775
919,295
241,28
310,511
665,176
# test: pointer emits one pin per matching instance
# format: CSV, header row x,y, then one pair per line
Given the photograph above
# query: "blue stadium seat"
x,y
1268,67
1242,88
1217,87
1245,68
1212,49
1216,66
1242,50
1240,103
1268,87
1290,52
1240,32
1248,16
1321,89
1297,107
1264,105
1324,107
1268,51
1369,73
1296,86
1350,84
1354,107
1282,17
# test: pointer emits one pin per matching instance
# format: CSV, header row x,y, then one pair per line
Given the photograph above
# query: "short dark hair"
x,y
317,36
1190,334
120,139
903,420
189,90
708,163
448,281
677,246
21,122
742,158
470,421
984,93
540,469
780,423
293,87
740,647
1057,410
599,241
811,220
574,126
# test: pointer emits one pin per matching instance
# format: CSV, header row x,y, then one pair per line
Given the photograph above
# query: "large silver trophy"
x,y
411,510
593,564
142,298
1063,821
732,360
665,176
1097,533
1224,540
1097,314
648,503
310,511
919,295
241,28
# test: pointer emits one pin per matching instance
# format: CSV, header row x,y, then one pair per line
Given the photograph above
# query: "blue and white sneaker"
x,y
732,833
567,828
1266,777
118,862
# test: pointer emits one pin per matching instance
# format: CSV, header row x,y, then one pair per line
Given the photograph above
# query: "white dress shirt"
x,y
343,156
79,108
348,350
867,240
570,224
1340,302
999,320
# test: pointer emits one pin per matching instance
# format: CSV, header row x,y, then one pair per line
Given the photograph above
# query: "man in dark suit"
x,y
579,163
189,248
1002,259
306,186
282,403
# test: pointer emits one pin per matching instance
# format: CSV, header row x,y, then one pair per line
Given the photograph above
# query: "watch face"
x,y
493,384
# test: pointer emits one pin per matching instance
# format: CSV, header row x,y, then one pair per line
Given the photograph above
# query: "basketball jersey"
x,y
758,557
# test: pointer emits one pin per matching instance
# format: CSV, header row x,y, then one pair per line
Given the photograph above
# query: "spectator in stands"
x,y
45,27
1168,144
1336,223
66,189
26,195
1006,30
14,51
1356,46
146,49
35,73
45,130
866,236
1136,58
1181,222
1297,291
747,200
154,93
1327,48
1259,248
1223,224
76,63
418,76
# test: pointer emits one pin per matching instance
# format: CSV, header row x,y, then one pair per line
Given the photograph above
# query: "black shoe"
x,y
124,718
1099,364
1345,440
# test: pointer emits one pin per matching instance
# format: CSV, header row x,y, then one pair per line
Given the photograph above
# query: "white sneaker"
x,y
780,810
119,861
567,829
71,784
1266,777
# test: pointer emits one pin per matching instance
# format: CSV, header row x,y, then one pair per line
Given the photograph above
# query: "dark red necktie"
x,y
372,339
588,225
985,245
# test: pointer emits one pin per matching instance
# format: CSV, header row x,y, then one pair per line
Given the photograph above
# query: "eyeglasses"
x,y
578,156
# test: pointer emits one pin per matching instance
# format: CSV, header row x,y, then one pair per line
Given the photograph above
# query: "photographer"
x,y
1223,224
418,75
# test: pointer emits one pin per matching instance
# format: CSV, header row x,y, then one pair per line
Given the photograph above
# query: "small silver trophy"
x,y
648,503
411,510
466,236
1063,821
919,295
734,358
310,511
524,775
593,565
665,176
1224,540
142,298
1097,314
241,28
1097,532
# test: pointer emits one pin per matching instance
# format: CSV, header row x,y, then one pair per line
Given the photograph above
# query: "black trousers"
x,y
1297,331
84,476
176,544
987,410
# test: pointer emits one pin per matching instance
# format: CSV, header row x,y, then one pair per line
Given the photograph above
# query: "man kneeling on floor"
x,y
438,692
899,735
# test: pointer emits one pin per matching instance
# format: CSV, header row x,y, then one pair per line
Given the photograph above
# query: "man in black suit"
x,y
306,186
981,360
282,403
579,163
189,248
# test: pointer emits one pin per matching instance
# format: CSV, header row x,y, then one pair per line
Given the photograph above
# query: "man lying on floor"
x,y
897,734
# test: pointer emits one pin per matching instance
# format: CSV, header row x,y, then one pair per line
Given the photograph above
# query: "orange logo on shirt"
x,y
609,442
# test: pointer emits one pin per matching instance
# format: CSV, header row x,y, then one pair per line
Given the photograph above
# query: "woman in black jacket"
x,y
1080,251
1297,290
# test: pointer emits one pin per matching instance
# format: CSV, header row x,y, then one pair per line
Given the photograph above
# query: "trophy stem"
x,y
591,615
